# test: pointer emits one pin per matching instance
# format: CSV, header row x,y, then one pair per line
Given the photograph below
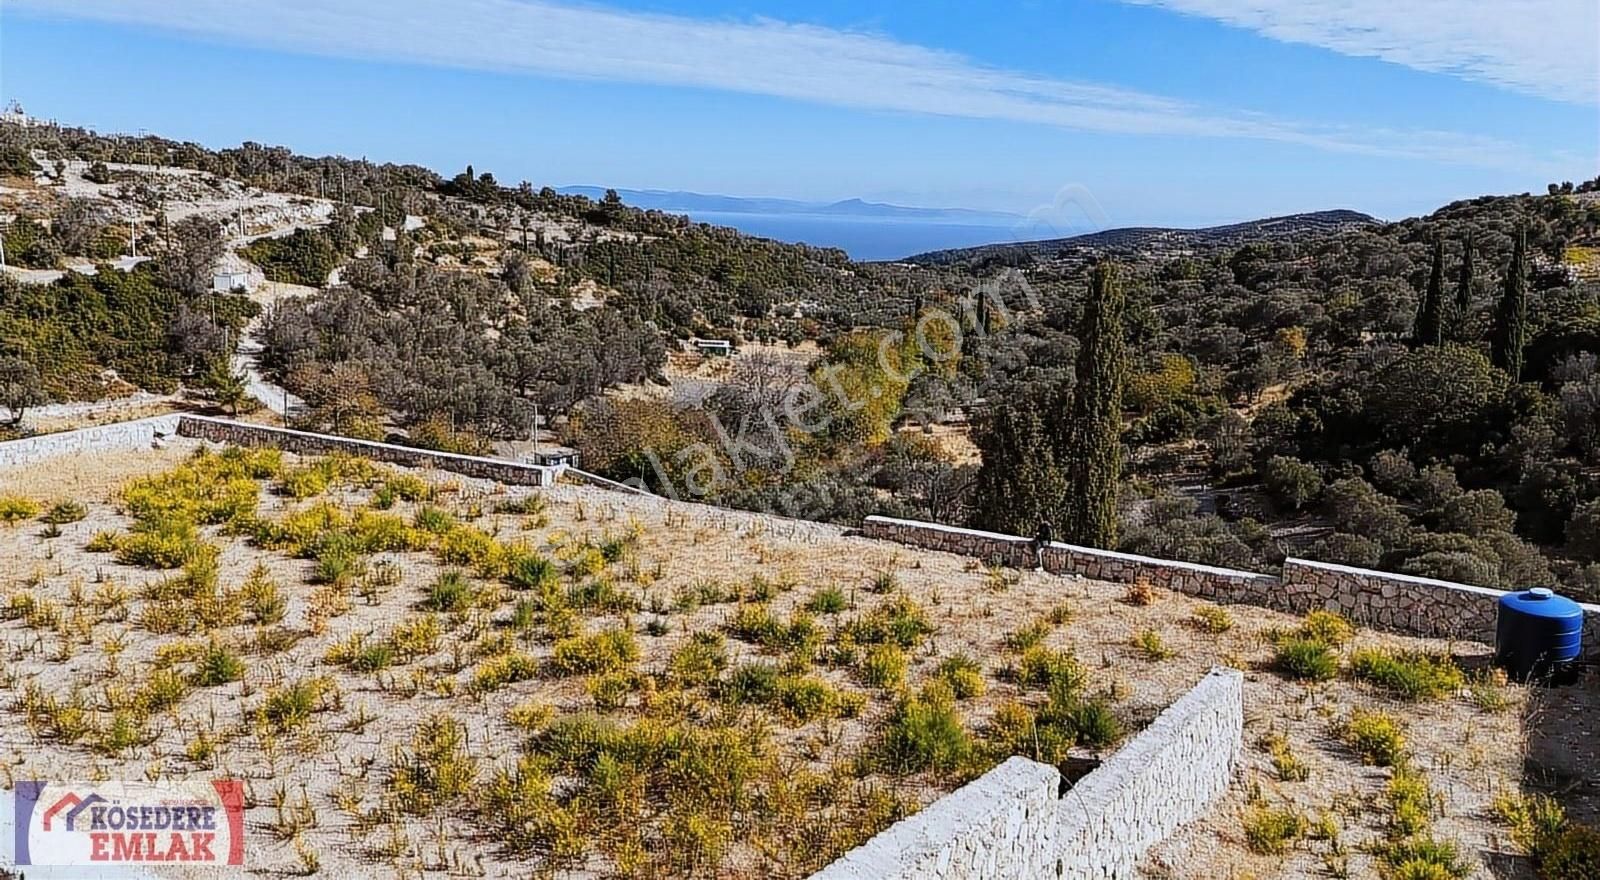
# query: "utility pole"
x,y
133,237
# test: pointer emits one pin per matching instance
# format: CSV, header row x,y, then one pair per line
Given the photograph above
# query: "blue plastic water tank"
x,y
1537,633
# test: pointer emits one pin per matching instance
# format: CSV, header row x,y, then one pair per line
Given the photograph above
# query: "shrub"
x,y
217,666
497,672
1270,832
925,732
1291,482
261,597
409,487
432,520
1375,736
415,637
1410,802
62,513
529,571
884,667
751,683
1423,858
1574,856
1327,627
1152,647
806,698
963,675
1091,721
1287,764
435,770
699,661
1028,636
1411,675
1306,660
1212,619
606,651
899,620
291,705
451,592
1044,669
828,600
15,509
163,546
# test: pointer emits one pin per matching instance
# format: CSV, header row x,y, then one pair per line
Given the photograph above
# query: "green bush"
x,y
449,593
925,732
964,676
1376,737
1306,660
884,667
63,512
218,665
610,650
828,600
1271,832
15,509
1044,669
1574,856
1409,674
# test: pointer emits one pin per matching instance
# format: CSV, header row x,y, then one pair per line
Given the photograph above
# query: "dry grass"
x,y
394,718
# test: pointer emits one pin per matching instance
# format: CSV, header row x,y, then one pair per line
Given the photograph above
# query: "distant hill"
x,y
1148,238
691,202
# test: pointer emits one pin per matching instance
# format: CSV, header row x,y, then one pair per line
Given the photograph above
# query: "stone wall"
x,y
136,434
1380,600
1013,823
1219,584
303,442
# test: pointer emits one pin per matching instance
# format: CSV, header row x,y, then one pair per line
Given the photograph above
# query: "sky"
x,y
1174,112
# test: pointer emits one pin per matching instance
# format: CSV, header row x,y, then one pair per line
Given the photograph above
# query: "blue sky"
x,y
1167,111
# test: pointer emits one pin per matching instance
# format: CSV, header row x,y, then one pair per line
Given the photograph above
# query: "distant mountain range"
x,y
1145,238
699,203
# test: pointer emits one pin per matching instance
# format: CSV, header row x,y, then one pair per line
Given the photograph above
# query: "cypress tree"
x,y
1511,320
1464,283
1092,453
1429,327
1020,484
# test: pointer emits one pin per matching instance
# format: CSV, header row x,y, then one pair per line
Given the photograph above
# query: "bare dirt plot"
x,y
539,751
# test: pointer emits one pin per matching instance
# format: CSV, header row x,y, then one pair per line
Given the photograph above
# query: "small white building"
x,y
712,347
227,280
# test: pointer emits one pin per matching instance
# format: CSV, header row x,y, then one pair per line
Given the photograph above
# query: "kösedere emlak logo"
x,y
107,823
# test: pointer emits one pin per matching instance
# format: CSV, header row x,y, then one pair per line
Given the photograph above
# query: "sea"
x,y
864,238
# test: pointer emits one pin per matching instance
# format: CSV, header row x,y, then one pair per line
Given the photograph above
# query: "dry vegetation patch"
x,y
416,673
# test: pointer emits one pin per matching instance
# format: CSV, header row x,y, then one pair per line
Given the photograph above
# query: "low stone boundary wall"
x,y
135,434
1013,823
304,442
1220,584
1397,603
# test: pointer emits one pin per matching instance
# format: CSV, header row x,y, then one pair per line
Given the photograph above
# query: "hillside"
x,y
1155,240
419,674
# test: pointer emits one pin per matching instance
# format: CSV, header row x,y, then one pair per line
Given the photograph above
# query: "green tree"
x,y
1465,280
1020,485
1292,482
1093,449
1429,328
224,387
20,388
1511,320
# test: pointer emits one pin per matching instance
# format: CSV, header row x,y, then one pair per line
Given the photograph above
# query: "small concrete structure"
x,y
226,281
553,456
712,347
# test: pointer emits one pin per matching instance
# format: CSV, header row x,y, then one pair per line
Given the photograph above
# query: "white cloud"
x,y
765,57
1549,48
